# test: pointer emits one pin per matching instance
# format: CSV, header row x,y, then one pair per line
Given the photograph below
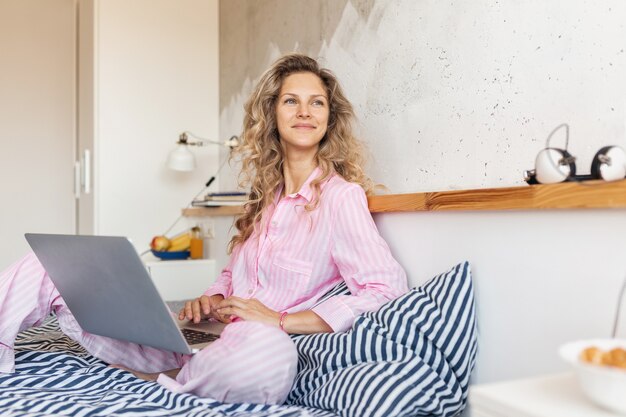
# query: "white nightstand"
x,y
547,396
182,280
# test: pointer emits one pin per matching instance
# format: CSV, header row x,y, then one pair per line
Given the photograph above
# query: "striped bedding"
x,y
55,376
411,358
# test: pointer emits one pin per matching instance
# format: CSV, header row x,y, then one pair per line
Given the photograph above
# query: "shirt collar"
x,y
306,191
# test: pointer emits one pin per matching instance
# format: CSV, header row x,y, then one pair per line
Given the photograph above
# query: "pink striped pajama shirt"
x,y
300,255
296,258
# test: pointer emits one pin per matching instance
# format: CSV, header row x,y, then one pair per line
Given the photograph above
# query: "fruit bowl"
x,y
169,256
604,385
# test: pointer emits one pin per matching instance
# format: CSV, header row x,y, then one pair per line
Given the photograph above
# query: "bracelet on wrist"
x,y
281,322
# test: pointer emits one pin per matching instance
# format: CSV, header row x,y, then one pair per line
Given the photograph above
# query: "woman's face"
x,y
302,113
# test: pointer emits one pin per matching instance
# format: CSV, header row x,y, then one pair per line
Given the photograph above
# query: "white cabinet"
x,y
182,280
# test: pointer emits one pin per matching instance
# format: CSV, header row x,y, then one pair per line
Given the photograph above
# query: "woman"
x,y
305,229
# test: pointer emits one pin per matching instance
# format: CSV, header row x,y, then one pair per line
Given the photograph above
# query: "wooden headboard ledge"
x,y
570,195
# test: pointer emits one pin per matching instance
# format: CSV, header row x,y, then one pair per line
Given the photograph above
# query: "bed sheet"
x,y
56,376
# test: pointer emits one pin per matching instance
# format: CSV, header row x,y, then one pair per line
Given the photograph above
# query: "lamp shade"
x,y
181,159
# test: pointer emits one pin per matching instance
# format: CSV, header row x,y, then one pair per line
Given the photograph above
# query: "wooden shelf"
x,y
570,195
213,211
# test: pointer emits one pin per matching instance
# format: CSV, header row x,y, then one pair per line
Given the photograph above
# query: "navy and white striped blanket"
x,y
411,358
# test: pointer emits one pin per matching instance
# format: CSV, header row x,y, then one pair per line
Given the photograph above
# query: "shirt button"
x,y
249,291
274,223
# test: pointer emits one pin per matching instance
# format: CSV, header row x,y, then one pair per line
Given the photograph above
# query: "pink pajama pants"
x,y
251,362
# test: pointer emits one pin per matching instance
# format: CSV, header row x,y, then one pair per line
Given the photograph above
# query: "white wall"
x,y
541,277
450,95
37,100
156,75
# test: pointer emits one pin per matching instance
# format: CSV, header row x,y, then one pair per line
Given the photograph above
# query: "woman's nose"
x,y
303,111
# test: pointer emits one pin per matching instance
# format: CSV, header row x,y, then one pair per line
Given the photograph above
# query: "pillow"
x,y
411,357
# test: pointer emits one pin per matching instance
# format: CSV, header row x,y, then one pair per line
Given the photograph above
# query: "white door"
x,y
37,121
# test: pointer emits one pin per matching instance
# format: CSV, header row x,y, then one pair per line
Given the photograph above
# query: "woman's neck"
x,y
295,174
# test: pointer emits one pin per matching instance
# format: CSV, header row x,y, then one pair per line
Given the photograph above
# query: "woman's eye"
x,y
290,101
318,103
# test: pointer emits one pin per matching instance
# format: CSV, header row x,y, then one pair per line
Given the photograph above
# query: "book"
x,y
227,196
227,193
212,203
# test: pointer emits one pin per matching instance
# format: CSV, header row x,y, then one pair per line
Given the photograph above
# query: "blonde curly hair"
x,y
262,155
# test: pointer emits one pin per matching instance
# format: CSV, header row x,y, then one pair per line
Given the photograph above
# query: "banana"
x,y
180,243
181,237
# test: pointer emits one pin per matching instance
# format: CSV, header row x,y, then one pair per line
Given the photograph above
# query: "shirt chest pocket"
x,y
291,274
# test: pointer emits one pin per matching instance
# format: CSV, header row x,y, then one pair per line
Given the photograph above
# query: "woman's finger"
x,y
213,303
222,303
232,311
221,318
205,304
233,302
225,310
188,313
195,308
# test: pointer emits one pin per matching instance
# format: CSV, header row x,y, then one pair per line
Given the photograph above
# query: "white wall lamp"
x,y
182,159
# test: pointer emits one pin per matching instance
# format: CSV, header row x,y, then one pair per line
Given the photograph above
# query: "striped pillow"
x,y
411,357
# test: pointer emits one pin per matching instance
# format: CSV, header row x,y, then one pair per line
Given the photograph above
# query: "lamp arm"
x,y
231,143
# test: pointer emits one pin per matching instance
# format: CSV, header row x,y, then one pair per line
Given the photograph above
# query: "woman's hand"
x,y
203,307
248,309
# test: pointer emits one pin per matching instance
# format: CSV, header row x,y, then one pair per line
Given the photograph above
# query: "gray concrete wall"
x,y
450,95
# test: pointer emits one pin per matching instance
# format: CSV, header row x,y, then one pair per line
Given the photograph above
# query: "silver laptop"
x,y
109,291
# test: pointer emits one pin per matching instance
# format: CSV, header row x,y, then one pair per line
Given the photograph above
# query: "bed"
x,y
534,252
412,357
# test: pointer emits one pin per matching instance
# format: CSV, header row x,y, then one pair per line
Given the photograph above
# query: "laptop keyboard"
x,y
194,337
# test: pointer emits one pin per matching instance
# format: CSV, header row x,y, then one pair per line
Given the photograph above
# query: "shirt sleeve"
x,y
223,283
364,261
